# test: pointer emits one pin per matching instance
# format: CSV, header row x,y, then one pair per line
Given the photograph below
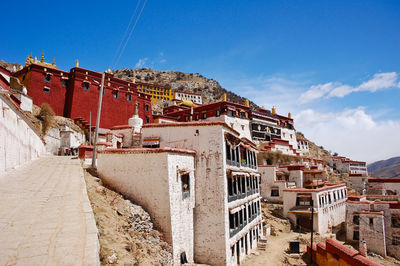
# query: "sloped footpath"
x,y
45,215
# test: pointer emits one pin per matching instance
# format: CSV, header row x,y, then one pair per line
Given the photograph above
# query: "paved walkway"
x,y
45,215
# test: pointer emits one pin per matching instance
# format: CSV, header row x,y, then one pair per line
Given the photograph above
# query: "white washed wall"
x,y
151,180
19,143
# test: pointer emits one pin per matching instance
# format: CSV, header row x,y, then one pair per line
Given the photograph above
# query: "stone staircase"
x,y
262,244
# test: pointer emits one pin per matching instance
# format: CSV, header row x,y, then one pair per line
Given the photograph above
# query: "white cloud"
x,y
141,62
351,132
379,81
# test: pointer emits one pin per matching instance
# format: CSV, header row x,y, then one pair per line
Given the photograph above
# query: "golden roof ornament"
x,y
289,115
54,62
273,110
77,63
246,103
42,58
224,97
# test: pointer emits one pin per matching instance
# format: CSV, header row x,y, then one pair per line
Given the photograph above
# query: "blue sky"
x,y
333,64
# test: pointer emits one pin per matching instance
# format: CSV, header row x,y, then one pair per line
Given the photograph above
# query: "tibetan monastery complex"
x,y
202,171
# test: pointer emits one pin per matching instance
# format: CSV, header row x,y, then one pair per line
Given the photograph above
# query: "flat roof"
x,y
149,150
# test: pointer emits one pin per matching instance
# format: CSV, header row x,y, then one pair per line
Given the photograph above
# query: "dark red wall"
x,y
34,81
74,101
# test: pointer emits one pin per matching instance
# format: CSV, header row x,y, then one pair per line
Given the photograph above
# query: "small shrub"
x,y
46,115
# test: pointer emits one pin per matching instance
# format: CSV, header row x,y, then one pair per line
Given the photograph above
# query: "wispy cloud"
x,y
379,81
141,62
351,132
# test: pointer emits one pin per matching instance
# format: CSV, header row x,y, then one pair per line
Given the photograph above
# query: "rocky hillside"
x,y
12,67
210,89
385,168
315,150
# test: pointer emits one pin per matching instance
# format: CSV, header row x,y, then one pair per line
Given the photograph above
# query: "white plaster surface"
x,y
152,180
19,141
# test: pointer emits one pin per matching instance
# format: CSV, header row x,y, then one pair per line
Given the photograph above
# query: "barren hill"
x,y
385,168
210,89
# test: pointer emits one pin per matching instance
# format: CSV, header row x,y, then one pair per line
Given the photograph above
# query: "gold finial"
x,y
289,115
136,108
42,57
133,80
274,110
30,56
27,61
77,63
246,103
54,62
109,70
262,107
224,97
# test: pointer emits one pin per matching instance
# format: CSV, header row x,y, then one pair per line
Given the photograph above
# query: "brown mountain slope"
x,y
210,89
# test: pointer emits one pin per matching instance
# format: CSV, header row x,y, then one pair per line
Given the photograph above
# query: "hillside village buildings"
x,y
376,220
199,174
345,165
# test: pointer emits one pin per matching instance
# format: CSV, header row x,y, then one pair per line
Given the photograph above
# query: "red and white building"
x,y
194,97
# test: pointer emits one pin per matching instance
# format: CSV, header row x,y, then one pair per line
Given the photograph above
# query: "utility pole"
x,y
90,128
312,229
96,133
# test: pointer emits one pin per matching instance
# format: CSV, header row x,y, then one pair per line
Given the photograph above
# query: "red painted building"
x,y
75,94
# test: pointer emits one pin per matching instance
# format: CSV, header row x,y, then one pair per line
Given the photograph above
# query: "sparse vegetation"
x,y
275,157
46,115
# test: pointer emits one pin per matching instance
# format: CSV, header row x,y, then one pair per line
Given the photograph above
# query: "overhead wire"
x,y
125,34
130,33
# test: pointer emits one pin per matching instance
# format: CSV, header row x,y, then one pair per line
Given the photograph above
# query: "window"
x,y
371,221
185,186
396,222
146,107
196,117
46,89
129,97
138,106
115,94
241,114
47,78
147,120
85,86
356,219
186,118
395,240
218,113
204,116
275,192
356,235
64,83
231,113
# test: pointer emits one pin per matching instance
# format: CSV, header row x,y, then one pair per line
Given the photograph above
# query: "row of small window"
x,y
395,221
153,89
233,113
202,115
243,185
337,195
160,97
239,246
240,219
240,156
395,239
47,79
188,96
